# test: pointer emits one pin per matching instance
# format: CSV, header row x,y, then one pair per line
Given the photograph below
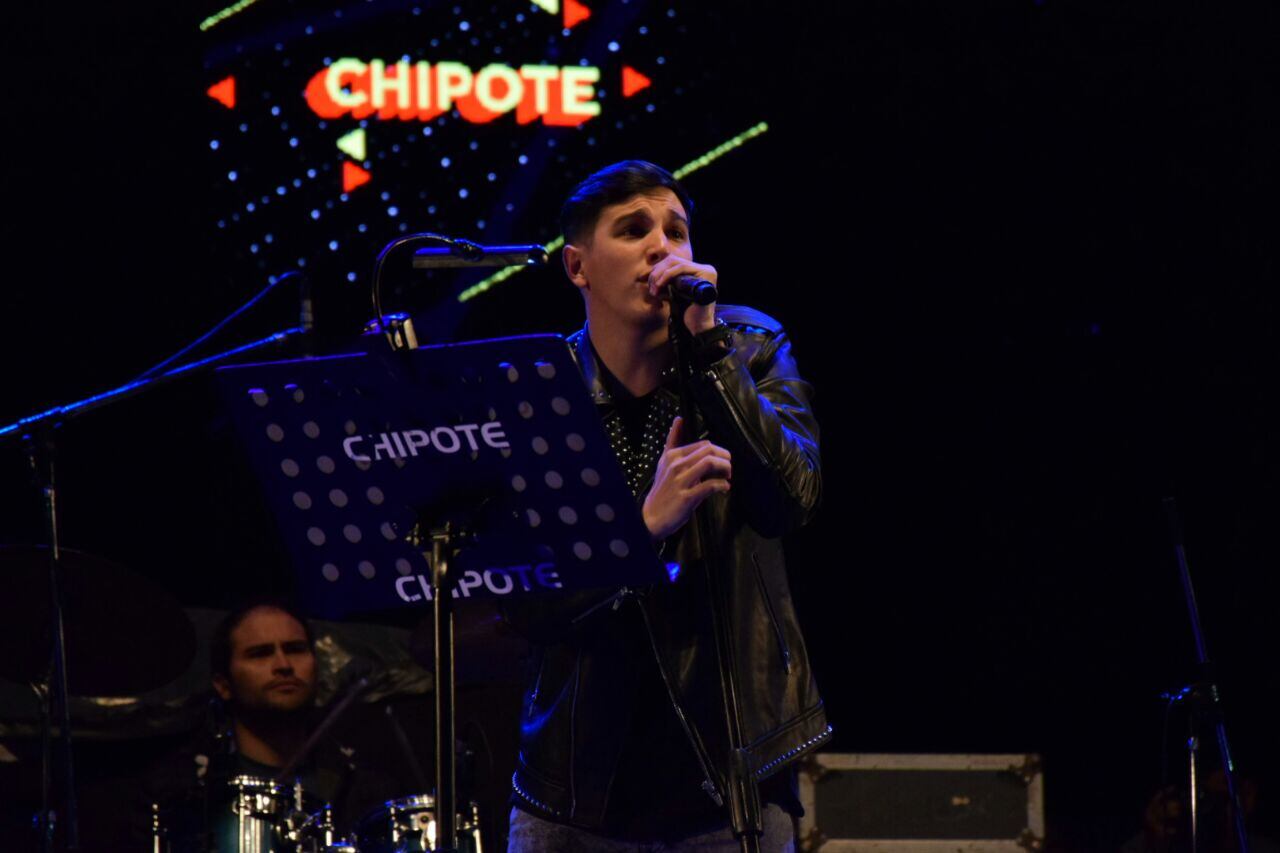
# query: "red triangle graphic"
x,y
633,81
574,13
353,176
224,92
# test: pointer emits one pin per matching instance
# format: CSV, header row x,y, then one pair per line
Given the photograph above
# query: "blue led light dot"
x,y
445,162
280,190
275,111
297,182
480,224
351,276
464,25
269,238
250,207
613,47
231,176
311,173
333,245
393,211
244,128
362,228
315,214
293,142
253,247
213,144
522,159
474,146
491,176
426,131
462,193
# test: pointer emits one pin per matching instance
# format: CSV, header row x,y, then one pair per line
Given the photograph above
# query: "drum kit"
x,y
255,815
145,639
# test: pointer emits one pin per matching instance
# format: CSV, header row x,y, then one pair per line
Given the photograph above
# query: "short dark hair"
x,y
612,185
220,641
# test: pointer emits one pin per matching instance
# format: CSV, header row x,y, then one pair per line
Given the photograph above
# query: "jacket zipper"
x,y
773,615
703,760
741,422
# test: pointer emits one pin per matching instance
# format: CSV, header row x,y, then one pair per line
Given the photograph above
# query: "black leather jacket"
x,y
577,708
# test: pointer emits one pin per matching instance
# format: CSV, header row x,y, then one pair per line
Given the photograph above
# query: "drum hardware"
x,y
408,825
255,816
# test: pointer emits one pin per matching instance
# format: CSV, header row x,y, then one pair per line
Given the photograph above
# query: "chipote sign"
x,y
420,91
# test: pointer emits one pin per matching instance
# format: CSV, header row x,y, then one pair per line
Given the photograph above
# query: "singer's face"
x,y
612,268
273,667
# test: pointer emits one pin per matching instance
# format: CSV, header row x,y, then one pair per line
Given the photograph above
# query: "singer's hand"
x,y
698,318
686,477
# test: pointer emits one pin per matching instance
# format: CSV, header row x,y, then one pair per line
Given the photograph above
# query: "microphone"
x,y
693,289
464,253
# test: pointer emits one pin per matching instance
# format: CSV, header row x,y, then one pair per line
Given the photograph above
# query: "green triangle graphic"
x,y
353,145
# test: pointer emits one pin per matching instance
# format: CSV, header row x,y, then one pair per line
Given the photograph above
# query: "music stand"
x,y
479,468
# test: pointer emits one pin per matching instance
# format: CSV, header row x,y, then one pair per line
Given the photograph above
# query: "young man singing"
x,y
624,742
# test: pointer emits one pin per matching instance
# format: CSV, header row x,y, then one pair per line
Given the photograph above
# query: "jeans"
x,y
530,834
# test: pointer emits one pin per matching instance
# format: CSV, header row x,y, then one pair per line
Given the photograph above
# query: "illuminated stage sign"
x,y
420,91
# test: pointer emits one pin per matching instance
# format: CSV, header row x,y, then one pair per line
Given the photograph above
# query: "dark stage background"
x,y
1022,250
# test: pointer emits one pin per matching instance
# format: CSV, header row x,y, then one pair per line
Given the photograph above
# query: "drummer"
x,y
264,672
263,665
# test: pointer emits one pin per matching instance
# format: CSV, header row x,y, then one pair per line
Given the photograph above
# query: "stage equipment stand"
x,y
743,794
1203,700
38,436
434,475
53,694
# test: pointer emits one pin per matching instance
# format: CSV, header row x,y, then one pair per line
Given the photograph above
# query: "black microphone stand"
x,y
53,693
743,795
1203,699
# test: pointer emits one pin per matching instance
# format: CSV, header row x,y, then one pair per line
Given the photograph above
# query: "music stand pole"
x,y
1205,702
443,544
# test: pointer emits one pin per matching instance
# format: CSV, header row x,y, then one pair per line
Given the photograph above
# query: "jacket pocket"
x,y
783,649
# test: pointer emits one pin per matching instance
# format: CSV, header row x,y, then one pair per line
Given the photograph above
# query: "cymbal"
x,y
123,634
485,650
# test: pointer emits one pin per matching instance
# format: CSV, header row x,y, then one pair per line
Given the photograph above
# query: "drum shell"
x,y
247,814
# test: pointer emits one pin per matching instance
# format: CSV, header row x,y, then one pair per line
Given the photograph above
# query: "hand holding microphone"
x,y
675,277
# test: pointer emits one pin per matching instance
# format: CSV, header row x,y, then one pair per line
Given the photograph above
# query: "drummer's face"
x,y
272,664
